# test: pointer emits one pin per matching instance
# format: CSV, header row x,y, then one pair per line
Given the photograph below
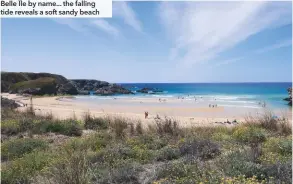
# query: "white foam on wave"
x,y
245,106
237,101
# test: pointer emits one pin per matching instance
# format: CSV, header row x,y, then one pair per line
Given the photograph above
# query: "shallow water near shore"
x,y
198,100
248,95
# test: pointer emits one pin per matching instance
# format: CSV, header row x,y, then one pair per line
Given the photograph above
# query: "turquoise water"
x,y
226,94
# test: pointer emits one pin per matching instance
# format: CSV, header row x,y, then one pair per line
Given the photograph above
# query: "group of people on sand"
x,y
263,104
213,106
162,100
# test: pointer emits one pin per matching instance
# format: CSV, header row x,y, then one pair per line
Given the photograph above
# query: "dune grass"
x,y
120,150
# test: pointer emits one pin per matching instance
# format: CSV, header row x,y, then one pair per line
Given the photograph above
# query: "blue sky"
x,y
158,42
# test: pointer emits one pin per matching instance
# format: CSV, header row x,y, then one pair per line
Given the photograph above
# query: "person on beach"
x,y
209,105
146,114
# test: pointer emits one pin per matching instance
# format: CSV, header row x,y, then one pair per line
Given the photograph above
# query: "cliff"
x,y
98,87
290,95
52,84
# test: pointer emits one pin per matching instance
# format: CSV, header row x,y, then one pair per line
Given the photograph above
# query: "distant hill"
x,y
53,84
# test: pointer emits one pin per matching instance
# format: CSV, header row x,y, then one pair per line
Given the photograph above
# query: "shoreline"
x,y
66,107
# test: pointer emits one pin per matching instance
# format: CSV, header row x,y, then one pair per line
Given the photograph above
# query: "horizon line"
x,y
196,82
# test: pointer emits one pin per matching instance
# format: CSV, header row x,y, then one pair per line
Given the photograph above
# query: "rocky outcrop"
x,y
149,90
45,83
289,99
290,96
99,87
8,79
89,85
40,86
67,88
7,103
112,89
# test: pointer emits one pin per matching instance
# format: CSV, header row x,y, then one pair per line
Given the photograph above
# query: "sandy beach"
x,y
134,108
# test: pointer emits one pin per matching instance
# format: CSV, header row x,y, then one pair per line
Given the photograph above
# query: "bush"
x,y
250,135
21,170
17,148
203,149
168,153
240,162
119,126
98,141
148,141
220,136
268,122
167,126
10,127
94,122
111,156
281,172
139,128
74,168
279,145
179,172
66,127
124,173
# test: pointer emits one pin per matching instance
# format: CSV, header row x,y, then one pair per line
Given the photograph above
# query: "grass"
x,y
37,83
94,123
120,150
18,147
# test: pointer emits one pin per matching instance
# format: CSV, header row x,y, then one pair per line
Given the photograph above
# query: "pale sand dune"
x,y
133,109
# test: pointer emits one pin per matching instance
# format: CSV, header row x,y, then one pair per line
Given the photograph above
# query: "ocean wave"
x,y
240,106
238,101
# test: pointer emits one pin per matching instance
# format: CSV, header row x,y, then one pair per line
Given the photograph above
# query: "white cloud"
x,y
105,26
282,44
229,61
124,11
76,25
201,30
121,10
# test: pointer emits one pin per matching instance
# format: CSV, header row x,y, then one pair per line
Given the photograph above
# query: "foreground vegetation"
x,y
41,149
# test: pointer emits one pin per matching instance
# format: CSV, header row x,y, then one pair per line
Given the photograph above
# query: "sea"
x,y
250,95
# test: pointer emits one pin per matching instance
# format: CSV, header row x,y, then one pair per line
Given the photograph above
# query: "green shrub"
x,y
250,135
220,136
167,126
10,127
111,156
124,173
179,172
267,121
119,125
282,146
73,168
47,85
95,122
203,149
21,170
18,147
148,141
280,172
98,141
168,153
66,127
240,162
